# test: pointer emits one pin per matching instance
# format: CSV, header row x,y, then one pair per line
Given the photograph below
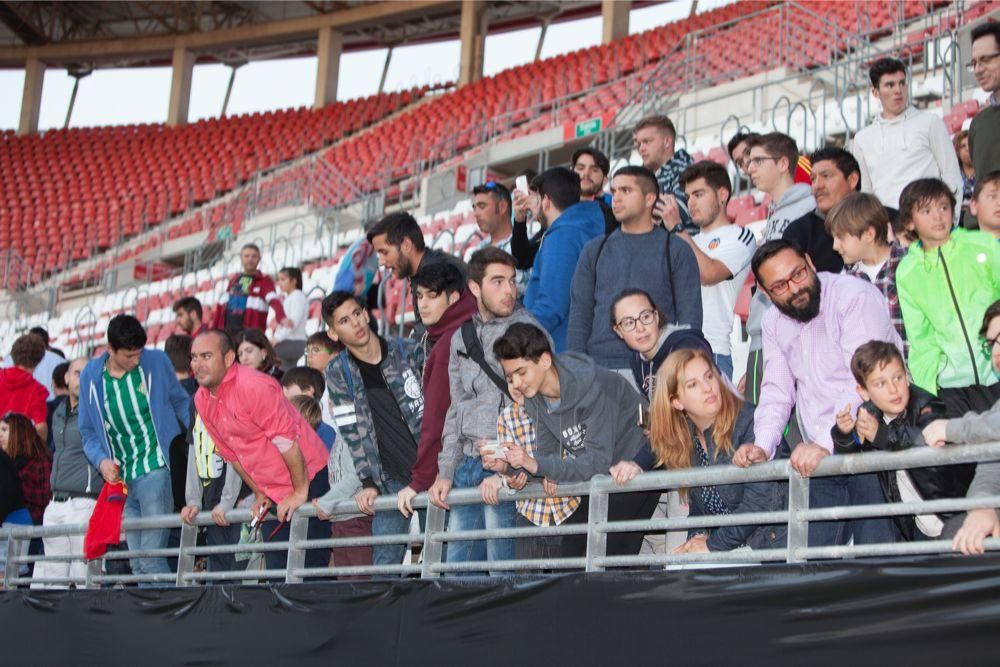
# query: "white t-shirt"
x,y
733,246
872,271
296,308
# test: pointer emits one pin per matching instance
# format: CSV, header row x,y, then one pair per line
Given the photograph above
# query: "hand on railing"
x,y
624,472
749,454
404,500
806,457
438,493
978,525
365,498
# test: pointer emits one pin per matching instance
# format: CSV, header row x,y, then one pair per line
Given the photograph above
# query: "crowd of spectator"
x,y
591,332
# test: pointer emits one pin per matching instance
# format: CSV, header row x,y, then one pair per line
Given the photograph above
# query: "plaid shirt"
x,y
515,426
34,474
669,178
885,281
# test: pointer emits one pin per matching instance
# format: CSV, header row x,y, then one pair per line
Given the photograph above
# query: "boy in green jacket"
x,y
946,282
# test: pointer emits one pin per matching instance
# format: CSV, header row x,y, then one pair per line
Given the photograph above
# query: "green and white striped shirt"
x,y
129,423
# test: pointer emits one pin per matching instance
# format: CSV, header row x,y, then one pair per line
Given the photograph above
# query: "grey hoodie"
x,y
594,424
795,203
475,400
344,482
979,428
71,471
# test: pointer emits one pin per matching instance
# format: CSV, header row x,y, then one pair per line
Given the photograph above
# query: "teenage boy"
x,y
722,250
478,394
985,204
320,350
377,402
946,282
770,163
445,305
891,419
859,226
586,418
903,143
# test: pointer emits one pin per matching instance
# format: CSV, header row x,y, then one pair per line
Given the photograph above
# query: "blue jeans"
x,y
843,491
725,364
392,522
149,495
469,474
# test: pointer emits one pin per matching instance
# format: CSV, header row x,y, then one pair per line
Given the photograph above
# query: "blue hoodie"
x,y
169,402
548,292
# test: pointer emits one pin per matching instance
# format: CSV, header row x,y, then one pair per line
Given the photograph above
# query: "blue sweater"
x,y
168,401
547,296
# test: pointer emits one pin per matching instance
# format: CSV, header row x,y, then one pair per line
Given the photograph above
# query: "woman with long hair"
x,y
31,457
253,349
290,336
697,421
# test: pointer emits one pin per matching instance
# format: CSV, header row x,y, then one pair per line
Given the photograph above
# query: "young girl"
x,y
290,336
253,349
697,421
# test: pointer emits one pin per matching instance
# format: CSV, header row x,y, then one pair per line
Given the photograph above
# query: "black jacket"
x,y
11,494
904,432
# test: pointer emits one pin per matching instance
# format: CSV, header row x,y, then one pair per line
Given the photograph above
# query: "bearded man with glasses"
x,y
809,337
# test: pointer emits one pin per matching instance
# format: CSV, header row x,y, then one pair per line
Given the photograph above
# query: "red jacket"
x,y
437,394
253,304
21,393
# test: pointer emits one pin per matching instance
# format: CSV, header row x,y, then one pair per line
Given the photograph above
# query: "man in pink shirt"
x,y
259,432
809,338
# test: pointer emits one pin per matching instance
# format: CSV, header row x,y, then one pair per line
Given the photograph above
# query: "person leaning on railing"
x,y
979,523
697,421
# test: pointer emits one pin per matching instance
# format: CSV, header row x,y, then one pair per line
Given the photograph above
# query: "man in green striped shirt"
x,y
131,408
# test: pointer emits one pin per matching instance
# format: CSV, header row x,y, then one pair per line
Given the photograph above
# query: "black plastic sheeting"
x,y
941,610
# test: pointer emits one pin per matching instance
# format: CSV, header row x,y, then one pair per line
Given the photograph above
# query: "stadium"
x,y
107,227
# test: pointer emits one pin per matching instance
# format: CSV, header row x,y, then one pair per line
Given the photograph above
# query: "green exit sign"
x,y
591,126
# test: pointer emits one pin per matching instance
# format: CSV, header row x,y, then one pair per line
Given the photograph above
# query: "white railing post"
x,y
798,529
433,550
298,530
9,572
185,559
597,540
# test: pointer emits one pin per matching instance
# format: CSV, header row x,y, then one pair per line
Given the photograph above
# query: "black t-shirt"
x,y
809,233
396,447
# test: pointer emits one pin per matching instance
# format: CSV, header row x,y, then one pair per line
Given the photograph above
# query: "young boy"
x,y
860,226
985,204
305,381
890,419
320,349
946,282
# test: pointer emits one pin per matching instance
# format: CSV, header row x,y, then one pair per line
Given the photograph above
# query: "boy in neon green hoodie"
x,y
946,282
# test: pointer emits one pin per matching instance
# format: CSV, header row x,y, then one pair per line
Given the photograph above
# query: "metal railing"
x,y
433,537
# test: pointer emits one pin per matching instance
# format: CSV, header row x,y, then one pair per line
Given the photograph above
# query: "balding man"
x,y
263,436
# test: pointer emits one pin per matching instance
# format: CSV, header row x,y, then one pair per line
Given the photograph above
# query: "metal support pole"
x,y
798,529
433,550
8,571
94,568
297,531
185,559
72,98
597,541
385,70
229,87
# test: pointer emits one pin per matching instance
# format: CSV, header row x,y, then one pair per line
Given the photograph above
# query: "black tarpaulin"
x,y
940,610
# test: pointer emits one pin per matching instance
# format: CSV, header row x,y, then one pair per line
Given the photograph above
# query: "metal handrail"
x,y
796,516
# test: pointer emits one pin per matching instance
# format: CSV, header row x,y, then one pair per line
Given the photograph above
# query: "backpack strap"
x,y
474,351
346,368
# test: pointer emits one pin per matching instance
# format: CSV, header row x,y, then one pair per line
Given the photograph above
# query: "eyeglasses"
x,y
757,161
990,343
798,278
315,349
646,317
981,60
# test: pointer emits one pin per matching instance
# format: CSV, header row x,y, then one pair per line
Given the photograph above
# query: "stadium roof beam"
x,y
472,41
328,51
615,14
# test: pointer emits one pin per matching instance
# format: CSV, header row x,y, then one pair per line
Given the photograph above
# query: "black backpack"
x,y
474,351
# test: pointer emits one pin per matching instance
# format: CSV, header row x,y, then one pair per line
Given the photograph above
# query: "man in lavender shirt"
x,y
819,320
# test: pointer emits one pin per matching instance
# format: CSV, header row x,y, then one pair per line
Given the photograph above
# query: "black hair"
x,y
295,274
635,291
188,304
304,378
991,177
497,191
258,339
647,179
483,257
178,348
126,333
59,376
987,28
250,246
991,312
736,140
769,250
41,333
845,162
715,175
440,278
561,185
396,227
599,158
333,301
322,338
522,341
884,66
919,192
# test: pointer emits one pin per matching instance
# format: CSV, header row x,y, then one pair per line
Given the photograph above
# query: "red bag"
x,y
106,522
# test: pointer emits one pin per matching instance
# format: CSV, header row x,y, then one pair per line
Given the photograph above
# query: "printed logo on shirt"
x,y
649,385
411,385
572,439
714,243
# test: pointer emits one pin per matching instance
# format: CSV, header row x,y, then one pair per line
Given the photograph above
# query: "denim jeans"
x,y
149,495
725,364
469,474
392,522
844,491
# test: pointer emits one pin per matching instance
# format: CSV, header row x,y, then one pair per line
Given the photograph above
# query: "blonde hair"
x,y
670,429
309,408
857,212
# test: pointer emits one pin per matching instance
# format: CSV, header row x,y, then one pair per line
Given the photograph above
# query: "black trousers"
x,y
621,507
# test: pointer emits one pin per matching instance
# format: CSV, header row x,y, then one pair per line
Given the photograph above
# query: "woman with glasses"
x,y
644,329
253,349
